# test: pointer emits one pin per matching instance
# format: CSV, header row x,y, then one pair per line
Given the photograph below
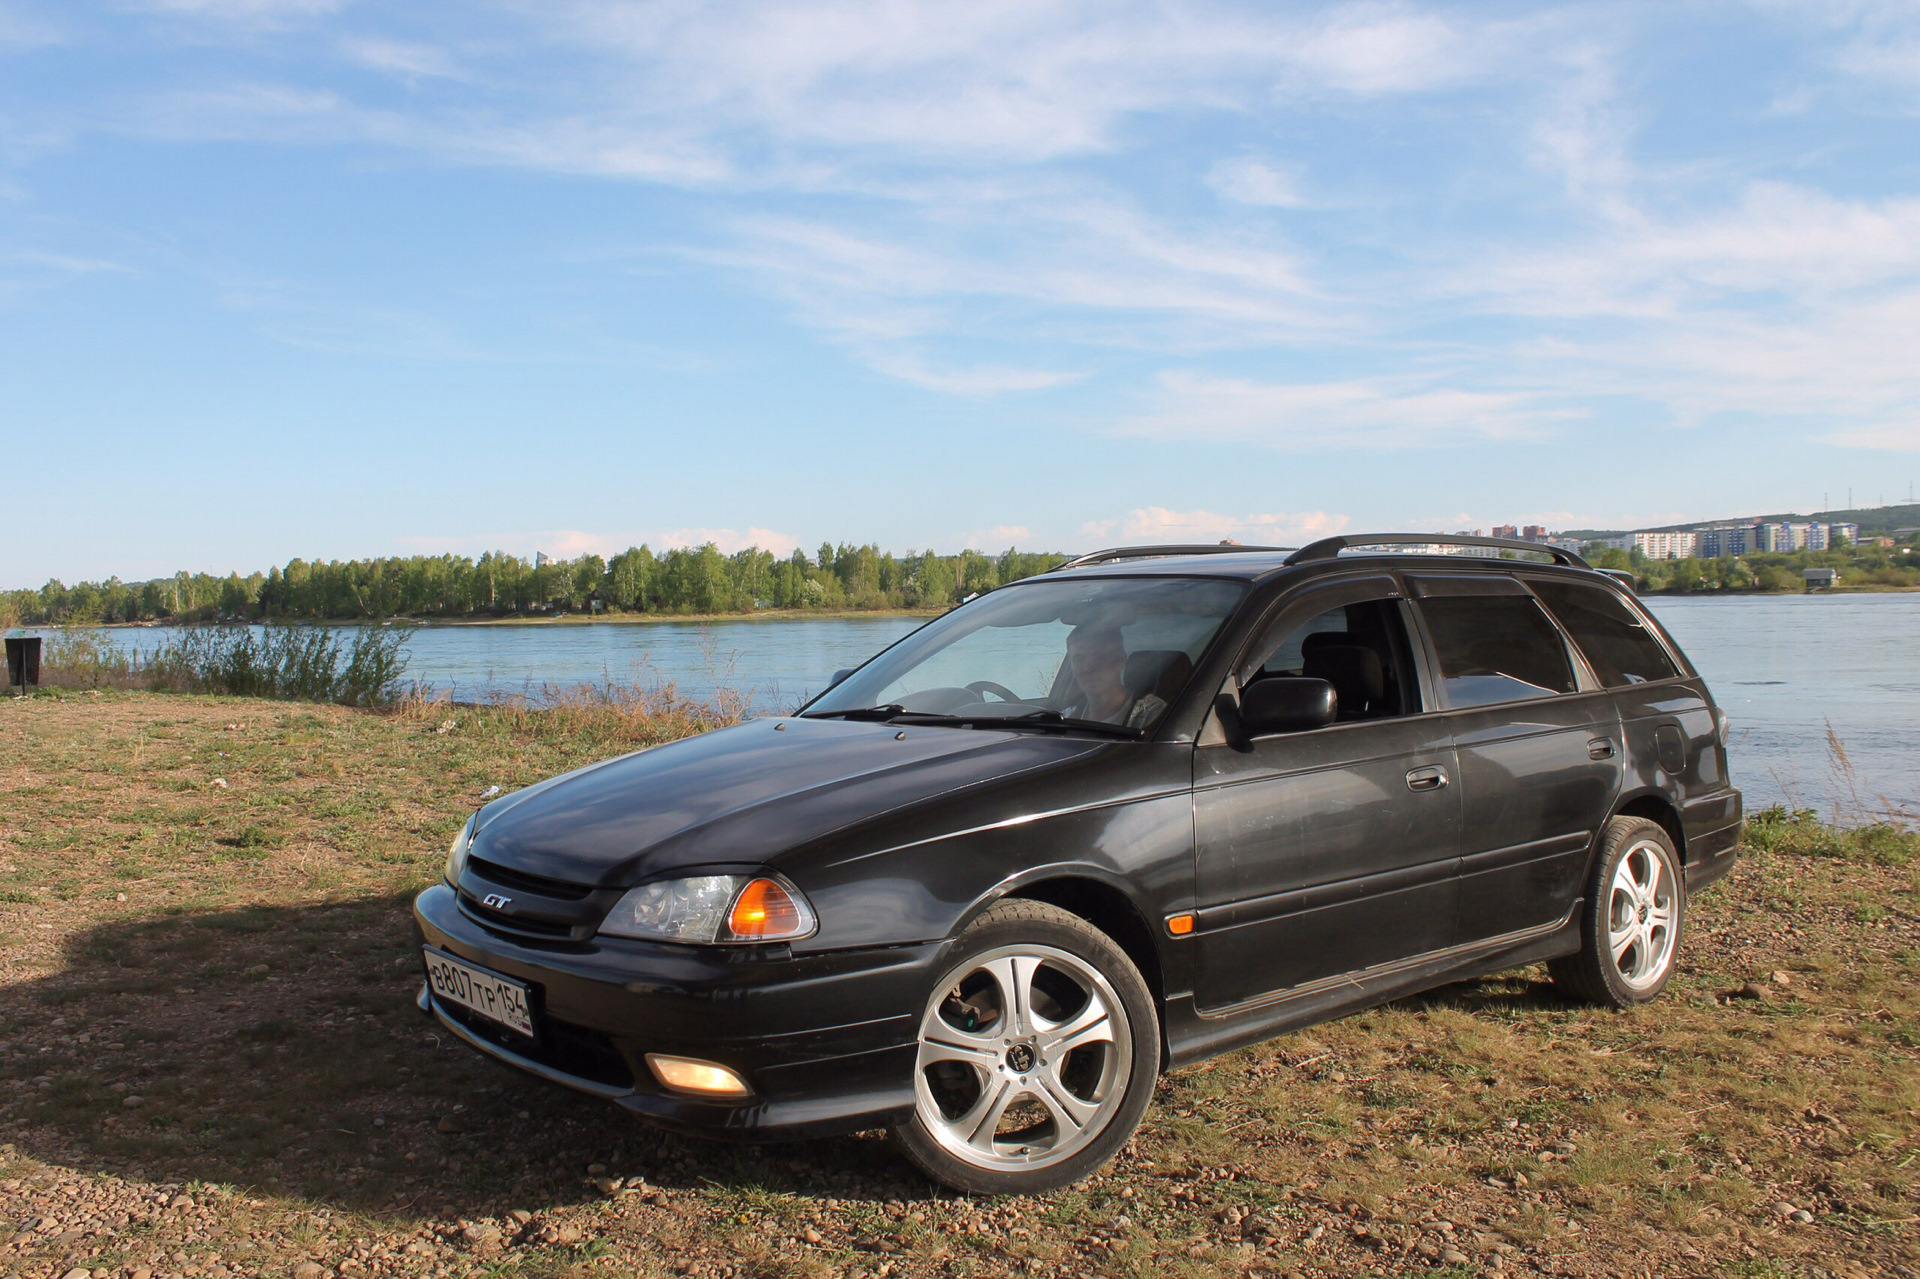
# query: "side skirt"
x,y
1194,1035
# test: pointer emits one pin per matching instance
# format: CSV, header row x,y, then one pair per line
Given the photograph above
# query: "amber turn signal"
x,y
765,910
1179,925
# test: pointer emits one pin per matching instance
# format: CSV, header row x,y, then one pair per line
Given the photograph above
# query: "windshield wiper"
x,y
1054,719
861,712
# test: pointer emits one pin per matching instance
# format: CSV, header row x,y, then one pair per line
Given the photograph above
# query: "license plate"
x,y
494,997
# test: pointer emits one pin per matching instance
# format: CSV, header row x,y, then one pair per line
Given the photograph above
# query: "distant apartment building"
x,y
1773,535
1666,545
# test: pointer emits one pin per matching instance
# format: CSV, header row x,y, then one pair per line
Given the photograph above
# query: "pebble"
x,y
1454,1257
596,1170
1783,1209
1782,979
220,783
133,1101
308,1270
1802,1216
452,1124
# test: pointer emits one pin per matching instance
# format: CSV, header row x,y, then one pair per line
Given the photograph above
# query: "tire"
x,y
1633,919
997,1111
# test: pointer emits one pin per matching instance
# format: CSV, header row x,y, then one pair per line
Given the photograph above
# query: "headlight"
x,y
708,909
457,851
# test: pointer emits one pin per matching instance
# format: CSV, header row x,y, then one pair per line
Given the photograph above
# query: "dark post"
x,y
23,661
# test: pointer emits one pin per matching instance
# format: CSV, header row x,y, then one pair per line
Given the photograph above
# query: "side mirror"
x,y
840,675
1287,704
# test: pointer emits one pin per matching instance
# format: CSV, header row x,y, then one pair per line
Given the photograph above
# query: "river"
x,y
1786,668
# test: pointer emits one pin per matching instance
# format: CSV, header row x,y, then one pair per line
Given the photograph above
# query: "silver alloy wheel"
x,y
1641,913
1025,1054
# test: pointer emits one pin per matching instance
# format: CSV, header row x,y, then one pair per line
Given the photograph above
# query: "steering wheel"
x,y
1000,691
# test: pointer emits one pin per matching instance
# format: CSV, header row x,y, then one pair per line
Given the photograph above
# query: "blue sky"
x,y
310,277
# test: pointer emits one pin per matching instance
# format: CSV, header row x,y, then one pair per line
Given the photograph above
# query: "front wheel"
x,y
1630,926
1039,1046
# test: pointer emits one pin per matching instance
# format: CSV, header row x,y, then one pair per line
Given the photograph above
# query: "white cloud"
x,y
1158,524
403,57
999,537
573,543
1336,415
1251,181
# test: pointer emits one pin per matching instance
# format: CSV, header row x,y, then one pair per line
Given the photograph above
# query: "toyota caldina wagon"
x,y
1154,805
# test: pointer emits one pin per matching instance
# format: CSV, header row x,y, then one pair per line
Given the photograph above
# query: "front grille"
x,y
516,925
507,877
558,1045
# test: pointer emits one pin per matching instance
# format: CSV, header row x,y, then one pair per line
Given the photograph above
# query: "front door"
x,y
1329,851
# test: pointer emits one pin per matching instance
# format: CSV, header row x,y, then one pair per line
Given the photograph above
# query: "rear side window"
x,y
1496,648
1617,643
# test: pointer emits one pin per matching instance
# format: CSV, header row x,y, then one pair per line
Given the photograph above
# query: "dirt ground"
x,y
210,1064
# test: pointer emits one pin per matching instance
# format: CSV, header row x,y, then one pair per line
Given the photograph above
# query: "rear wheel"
x,y
1631,923
1039,1046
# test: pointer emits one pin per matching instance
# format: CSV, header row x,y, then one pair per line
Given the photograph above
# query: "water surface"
x,y
1786,668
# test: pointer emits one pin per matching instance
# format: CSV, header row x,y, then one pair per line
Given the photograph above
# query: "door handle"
x,y
1427,779
1600,748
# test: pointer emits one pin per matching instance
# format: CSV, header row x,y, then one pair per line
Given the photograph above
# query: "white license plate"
x,y
494,997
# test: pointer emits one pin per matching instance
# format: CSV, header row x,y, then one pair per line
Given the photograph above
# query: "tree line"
x,y
1761,570
638,580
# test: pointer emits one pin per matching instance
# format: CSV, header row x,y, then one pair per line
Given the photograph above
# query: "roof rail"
x,y
1329,547
1116,553
1626,579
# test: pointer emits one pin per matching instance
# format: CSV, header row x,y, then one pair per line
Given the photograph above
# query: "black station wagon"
x,y
1156,804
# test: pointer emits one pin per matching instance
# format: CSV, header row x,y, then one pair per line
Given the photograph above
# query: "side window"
x,y
1361,649
1616,642
1496,648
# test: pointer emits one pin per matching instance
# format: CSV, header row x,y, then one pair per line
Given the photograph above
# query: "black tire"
x,y
1041,930
1594,974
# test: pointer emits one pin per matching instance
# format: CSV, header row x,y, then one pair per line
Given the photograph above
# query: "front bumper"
x,y
827,1042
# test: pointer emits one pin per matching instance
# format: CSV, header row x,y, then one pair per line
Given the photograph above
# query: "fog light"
x,y
702,1078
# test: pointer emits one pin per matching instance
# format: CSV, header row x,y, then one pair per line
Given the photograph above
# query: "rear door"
x,y
1538,744
1325,852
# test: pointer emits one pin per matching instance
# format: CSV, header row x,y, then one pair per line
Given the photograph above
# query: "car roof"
x,y
1257,564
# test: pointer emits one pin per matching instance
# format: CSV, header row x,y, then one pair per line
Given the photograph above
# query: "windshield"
x,y
1111,652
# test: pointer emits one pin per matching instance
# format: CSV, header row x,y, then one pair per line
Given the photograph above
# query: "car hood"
x,y
743,795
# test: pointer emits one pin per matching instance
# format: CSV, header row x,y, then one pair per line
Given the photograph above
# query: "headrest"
x,y
1322,639
1159,671
1354,672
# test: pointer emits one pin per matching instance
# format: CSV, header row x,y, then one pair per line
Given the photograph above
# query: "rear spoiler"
x,y
1623,577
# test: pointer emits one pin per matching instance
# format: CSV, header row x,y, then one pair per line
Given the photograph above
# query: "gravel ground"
x,y
210,1064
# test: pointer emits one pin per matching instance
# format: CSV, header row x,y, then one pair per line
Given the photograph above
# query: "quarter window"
x,y
1496,648
1617,643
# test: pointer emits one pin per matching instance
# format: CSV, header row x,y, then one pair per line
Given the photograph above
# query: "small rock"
x,y
520,1216
258,970
1782,979
452,1124
810,1235
1454,1257
1802,1216
489,792
1564,1148
1783,1209
133,1101
480,1233
219,783
119,897
308,1270
1752,990
606,1185
596,1170
565,1232
140,1272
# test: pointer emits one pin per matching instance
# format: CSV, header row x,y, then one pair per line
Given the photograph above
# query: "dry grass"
x,y
238,958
